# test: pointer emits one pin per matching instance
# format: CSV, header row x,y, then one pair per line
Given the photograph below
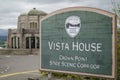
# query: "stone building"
x,y
26,36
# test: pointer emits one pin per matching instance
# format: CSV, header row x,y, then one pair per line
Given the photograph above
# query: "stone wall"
x,y
19,51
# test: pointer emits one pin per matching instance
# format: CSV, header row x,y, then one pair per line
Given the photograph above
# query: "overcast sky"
x,y
11,9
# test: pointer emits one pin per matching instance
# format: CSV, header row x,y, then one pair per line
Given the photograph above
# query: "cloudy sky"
x,y
11,9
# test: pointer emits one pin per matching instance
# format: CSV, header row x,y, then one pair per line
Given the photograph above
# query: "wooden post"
x,y
49,75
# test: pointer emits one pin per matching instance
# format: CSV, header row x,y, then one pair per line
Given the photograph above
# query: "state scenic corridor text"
x,y
73,65
73,62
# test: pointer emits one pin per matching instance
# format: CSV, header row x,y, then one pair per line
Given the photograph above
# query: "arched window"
x,y
33,25
27,42
32,42
22,25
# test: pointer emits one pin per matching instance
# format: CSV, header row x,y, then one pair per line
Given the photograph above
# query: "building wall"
x,y
25,39
25,20
28,26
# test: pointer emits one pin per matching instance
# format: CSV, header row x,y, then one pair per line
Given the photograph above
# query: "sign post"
x,y
79,40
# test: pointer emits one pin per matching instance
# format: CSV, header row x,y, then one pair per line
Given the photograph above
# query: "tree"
x,y
116,9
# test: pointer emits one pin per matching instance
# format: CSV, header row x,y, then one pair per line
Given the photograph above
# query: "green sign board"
x,y
79,41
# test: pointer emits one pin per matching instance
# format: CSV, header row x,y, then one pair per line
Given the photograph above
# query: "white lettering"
x,y
99,47
75,46
93,47
81,65
81,47
61,57
68,64
50,45
79,58
87,47
58,46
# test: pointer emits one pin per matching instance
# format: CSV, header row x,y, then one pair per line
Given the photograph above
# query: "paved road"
x,y
19,63
20,67
10,64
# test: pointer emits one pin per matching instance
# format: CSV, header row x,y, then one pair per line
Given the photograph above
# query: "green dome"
x,y
35,12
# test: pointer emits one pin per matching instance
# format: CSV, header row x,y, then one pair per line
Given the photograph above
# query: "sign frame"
x,y
114,42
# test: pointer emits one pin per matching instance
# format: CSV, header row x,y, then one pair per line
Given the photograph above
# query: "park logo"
x,y
72,26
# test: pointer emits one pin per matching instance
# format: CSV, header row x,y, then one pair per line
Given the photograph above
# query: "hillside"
x,y
3,38
3,34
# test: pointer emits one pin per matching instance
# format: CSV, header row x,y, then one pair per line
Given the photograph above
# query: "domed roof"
x,y
35,12
23,14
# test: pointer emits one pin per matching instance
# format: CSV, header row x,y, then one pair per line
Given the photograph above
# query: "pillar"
x,y
13,42
16,42
35,42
